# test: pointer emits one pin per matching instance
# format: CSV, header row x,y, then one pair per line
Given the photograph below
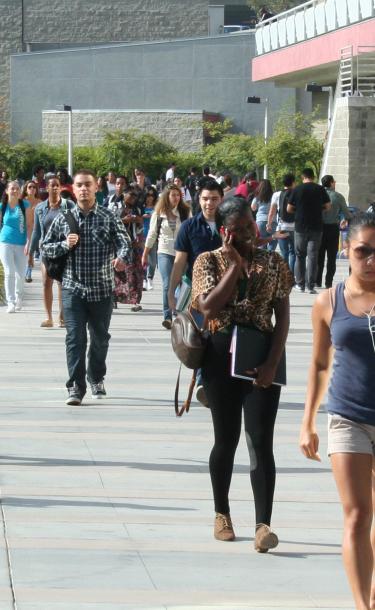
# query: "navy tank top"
x,y
352,389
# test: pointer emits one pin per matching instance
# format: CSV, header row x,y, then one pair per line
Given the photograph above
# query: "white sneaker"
x,y
144,285
18,305
150,284
11,308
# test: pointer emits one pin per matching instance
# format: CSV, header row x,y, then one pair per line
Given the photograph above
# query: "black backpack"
x,y
4,207
55,266
283,204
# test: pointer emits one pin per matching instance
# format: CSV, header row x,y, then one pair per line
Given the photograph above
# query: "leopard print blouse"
x,y
269,280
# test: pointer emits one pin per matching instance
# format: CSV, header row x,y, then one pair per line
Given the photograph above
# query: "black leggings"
x,y
227,397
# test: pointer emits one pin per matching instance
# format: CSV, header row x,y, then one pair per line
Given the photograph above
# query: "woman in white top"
x,y
170,212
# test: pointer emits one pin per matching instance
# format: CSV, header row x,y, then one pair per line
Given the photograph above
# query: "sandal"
x,y
47,323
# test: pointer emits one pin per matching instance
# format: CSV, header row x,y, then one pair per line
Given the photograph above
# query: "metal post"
x,y
265,170
70,143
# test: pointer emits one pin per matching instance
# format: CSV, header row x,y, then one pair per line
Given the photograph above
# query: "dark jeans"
x,y
329,245
306,244
80,314
227,398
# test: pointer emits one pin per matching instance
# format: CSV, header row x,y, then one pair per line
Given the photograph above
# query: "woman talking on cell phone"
x,y
242,285
344,332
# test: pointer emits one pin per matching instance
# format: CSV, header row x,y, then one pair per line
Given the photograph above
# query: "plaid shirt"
x,y
101,235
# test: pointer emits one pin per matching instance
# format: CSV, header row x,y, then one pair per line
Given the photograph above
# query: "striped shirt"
x,y
102,237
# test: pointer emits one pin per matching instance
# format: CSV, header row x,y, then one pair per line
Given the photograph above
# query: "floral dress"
x,y
129,283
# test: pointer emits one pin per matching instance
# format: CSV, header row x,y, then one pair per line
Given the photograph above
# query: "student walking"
x,y
239,284
16,223
88,283
344,332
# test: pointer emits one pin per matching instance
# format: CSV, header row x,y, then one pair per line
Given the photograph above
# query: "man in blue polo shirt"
x,y
196,235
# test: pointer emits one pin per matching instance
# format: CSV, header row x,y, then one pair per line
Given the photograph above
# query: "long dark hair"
x,y
264,191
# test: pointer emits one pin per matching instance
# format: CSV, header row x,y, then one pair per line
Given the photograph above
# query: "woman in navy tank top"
x,y
344,333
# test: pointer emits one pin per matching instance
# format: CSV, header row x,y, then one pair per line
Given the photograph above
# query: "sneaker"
x,y
299,288
265,539
144,287
18,305
98,390
75,396
150,284
167,324
313,291
11,308
136,308
223,529
200,396
28,277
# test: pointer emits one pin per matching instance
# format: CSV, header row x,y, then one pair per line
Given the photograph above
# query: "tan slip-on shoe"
x,y
47,324
265,539
223,529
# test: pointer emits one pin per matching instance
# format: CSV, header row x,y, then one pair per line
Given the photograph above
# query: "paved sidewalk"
x,y
108,505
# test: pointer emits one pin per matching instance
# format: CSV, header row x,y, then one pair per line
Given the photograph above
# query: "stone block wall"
x,y
351,154
11,42
183,130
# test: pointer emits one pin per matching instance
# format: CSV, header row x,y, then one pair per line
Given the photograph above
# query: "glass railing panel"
x,y
290,30
300,26
331,15
353,10
310,23
274,35
282,32
320,18
259,40
367,7
266,40
342,13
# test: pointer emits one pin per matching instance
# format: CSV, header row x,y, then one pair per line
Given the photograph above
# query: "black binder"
x,y
249,348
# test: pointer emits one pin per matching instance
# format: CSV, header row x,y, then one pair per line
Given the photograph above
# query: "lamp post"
x,y
315,88
68,109
262,100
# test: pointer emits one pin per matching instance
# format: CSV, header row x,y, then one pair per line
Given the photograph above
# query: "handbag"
x,y
55,266
189,343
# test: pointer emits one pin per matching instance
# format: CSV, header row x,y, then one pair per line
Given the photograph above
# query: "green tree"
x,y
274,6
234,153
290,148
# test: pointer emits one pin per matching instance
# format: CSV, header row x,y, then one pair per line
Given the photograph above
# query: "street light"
x,y
315,88
68,109
262,100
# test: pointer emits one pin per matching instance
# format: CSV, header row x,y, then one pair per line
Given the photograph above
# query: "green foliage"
x,y
215,131
274,6
234,153
290,148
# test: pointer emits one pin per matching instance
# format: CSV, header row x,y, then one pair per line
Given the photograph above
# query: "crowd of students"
x,y
226,263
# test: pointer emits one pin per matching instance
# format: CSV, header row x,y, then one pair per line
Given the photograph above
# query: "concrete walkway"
x,y
108,506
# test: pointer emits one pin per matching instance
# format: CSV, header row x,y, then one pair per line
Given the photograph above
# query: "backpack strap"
x,y
186,405
73,228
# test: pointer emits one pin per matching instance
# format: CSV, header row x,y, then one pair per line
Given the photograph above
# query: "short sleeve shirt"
x,y
308,199
194,237
269,280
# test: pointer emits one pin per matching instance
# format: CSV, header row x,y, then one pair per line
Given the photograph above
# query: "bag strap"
x,y
186,405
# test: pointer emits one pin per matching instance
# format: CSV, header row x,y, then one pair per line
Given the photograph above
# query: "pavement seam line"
x,y
9,561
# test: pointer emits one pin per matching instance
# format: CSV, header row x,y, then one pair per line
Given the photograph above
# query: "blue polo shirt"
x,y
194,237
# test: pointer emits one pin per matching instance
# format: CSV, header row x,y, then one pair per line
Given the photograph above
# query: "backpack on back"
x,y
283,204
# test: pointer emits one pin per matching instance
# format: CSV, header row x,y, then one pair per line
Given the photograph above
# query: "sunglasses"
x,y
363,252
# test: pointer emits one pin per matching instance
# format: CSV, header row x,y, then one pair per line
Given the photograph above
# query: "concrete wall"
x,y
91,21
182,130
350,157
210,74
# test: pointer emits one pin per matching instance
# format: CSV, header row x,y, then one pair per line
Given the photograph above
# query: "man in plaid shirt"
x,y
88,283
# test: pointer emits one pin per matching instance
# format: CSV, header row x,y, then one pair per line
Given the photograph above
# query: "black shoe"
x,y
75,396
167,324
98,390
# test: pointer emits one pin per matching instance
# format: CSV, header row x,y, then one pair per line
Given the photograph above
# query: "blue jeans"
x,y
80,314
264,233
152,259
287,250
165,264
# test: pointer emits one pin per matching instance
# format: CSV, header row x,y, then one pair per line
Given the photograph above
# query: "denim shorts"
x,y
347,436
